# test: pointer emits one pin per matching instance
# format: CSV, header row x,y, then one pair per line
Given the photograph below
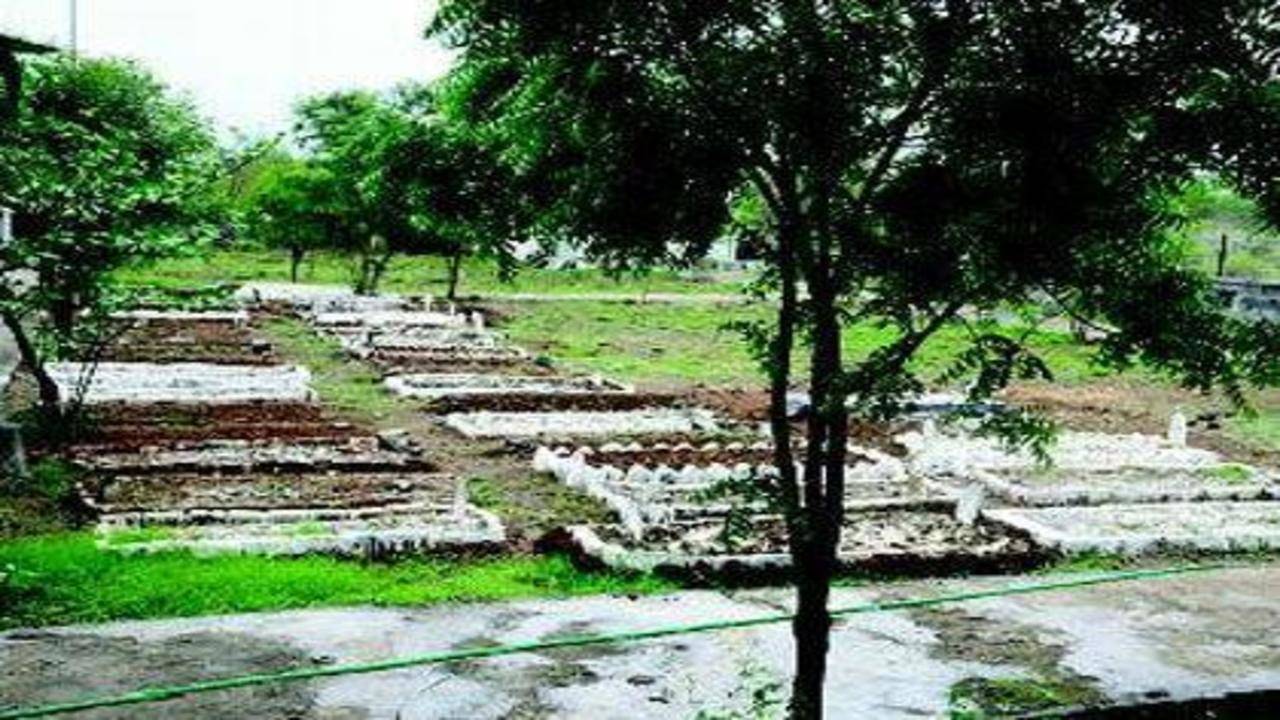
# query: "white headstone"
x,y
969,502
1178,429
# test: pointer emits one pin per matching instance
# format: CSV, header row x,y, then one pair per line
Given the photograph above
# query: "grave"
x,y
1050,487
467,529
356,496
661,484
958,454
1088,469
429,386
582,423
425,339
1145,528
120,427
205,383
231,456
924,540
154,336
393,320
312,299
183,317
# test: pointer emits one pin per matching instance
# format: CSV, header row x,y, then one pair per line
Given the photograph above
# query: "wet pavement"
x,y
1180,637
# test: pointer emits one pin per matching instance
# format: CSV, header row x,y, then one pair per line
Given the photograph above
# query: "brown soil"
x,y
121,428
890,543
269,492
165,341
741,405
1116,406
679,458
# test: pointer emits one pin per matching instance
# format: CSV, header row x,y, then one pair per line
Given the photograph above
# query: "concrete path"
x,y
1182,637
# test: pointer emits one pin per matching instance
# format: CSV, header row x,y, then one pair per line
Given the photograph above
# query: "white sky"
x,y
246,62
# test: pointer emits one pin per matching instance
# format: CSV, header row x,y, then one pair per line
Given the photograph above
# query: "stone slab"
x,y
431,386
142,383
634,422
1139,529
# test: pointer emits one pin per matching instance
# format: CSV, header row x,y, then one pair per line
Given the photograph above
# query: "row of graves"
x,y
198,437
678,478
202,439
943,502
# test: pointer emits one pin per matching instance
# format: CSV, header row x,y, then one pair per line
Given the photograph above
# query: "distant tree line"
x,y
374,175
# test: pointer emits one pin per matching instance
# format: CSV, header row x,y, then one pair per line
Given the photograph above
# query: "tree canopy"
x,y
103,166
402,179
922,162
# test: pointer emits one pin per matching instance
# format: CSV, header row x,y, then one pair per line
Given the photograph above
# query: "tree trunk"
x,y
62,314
816,537
373,263
1223,249
50,397
811,629
296,256
816,534
455,272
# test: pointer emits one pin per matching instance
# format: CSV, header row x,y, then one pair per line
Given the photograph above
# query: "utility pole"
x,y
75,28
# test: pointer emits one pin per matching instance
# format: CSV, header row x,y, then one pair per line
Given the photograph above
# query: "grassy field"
x,y
691,344
420,275
53,580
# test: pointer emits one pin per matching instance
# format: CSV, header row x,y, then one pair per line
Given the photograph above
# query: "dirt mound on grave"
x,y
680,457
124,427
189,340
267,491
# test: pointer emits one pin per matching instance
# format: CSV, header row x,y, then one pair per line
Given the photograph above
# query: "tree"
x,y
294,206
11,71
453,189
347,135
103,168
921,161
404,180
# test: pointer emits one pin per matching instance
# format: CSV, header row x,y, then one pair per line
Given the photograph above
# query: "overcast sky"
x,y
246,62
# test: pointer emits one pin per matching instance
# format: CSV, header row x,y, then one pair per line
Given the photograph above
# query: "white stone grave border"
x,y
474,529
1021,495
1129,543
177,383
409,385
647,421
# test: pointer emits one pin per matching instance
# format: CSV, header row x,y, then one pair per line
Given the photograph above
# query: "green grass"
x,y
1230,474
689,343
349,386
977,698
1261,430
61,579
419,275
